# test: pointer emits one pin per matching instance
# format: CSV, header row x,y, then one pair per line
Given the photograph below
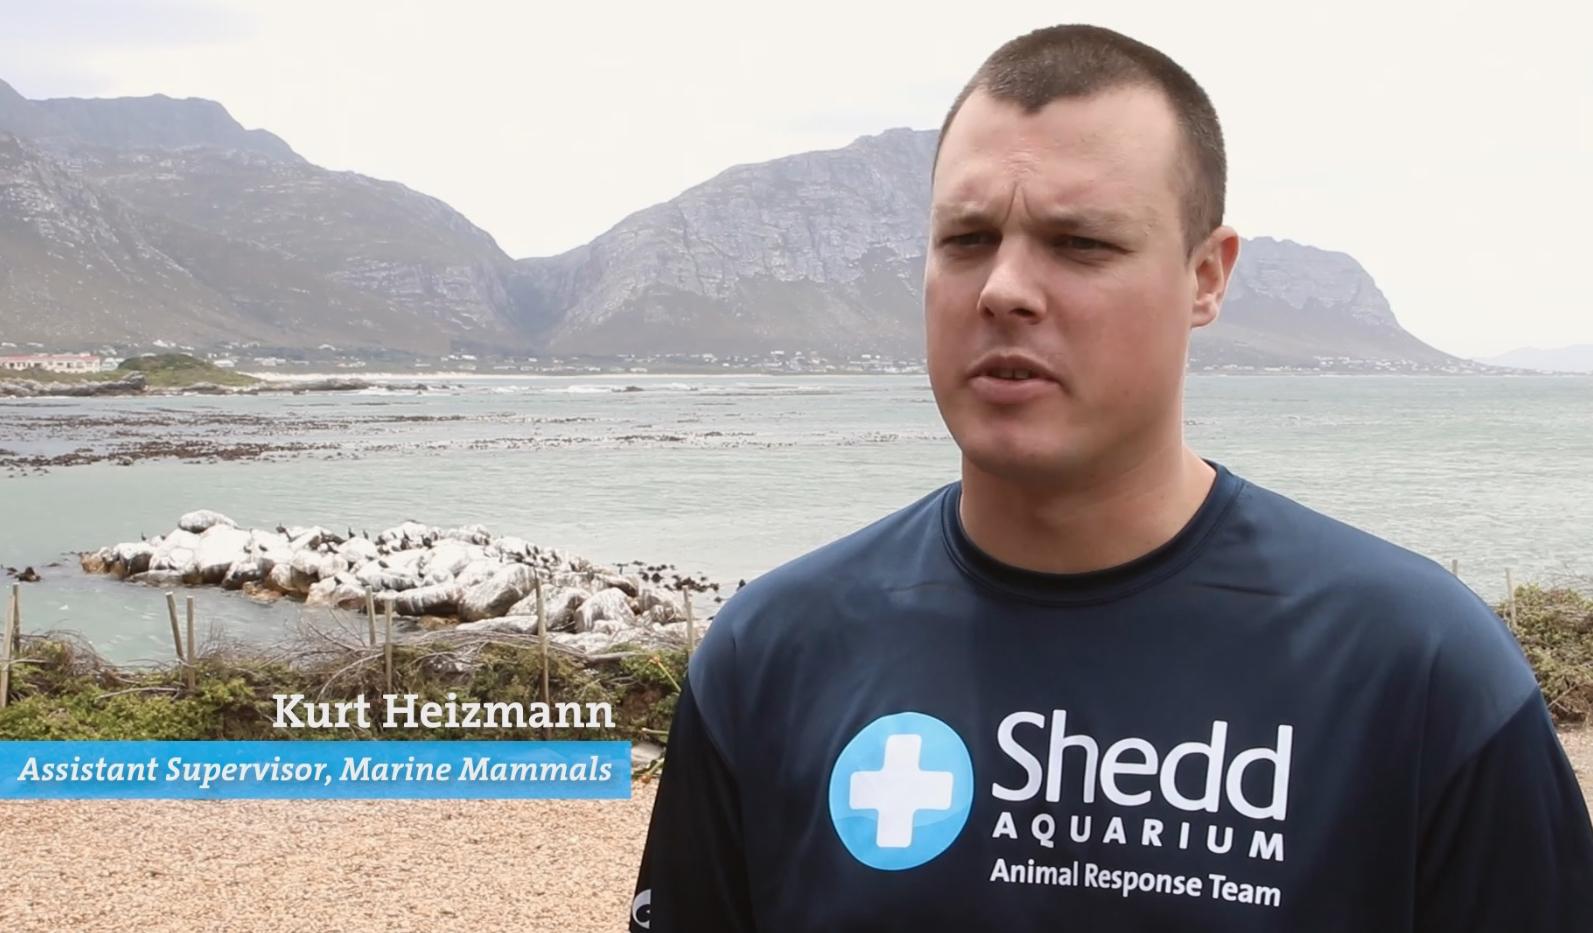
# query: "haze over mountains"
x,y
130,220
1577,358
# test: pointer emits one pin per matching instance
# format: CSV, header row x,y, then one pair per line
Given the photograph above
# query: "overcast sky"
x,y
1446,147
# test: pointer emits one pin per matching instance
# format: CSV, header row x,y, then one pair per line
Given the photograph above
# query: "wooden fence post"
x,y
1454,566
193,653
176,634
388,649
542,636
5,651
16,619
1510,598
691,624
370,614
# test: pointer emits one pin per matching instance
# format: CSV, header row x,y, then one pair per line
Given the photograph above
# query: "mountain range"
x,y
1577,358
130,220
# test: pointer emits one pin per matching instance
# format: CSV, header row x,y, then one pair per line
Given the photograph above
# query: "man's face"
x,y
1056,248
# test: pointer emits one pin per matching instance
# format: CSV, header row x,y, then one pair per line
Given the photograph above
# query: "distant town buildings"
x,y
52,362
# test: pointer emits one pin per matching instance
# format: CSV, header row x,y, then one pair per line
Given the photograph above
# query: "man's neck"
x,y
1089,522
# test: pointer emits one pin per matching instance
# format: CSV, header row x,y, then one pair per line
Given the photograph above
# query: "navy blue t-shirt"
x,y
1272,722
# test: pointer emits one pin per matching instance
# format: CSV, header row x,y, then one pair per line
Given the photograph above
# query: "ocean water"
x,y
733,475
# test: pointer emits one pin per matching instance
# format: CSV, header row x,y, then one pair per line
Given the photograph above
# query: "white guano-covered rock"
x,y
560,604
220,547
204,519
177,551
441,599
286,578
495,595
247,570
607,605
134,556
445,561
334,592
374,576
358,550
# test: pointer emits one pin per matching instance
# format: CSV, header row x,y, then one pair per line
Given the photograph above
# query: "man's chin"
x,y
1031,464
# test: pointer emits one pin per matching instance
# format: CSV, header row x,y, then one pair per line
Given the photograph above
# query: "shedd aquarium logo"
x,y
901,791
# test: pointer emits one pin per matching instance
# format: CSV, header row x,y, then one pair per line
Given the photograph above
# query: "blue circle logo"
x,y
901,791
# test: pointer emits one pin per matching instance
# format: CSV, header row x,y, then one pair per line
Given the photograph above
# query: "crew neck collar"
x,y
1095,586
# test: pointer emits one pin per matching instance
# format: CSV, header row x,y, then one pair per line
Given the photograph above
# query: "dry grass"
x,y
1579,746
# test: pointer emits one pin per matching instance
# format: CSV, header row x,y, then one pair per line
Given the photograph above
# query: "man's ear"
x,y
1214,261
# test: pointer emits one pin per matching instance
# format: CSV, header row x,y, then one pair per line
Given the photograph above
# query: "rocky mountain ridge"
x,y
152,218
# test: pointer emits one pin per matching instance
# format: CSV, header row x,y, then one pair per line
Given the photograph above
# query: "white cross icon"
x,y
899,790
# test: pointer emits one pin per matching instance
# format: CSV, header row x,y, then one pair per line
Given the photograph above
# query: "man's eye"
x,y
969,239
1082,243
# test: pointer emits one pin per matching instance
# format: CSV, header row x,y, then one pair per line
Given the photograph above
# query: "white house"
x,y
55,363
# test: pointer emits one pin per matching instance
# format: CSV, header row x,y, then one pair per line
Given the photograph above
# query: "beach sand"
x,y
388,866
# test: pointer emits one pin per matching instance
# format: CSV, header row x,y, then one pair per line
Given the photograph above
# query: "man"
x,y
1102,683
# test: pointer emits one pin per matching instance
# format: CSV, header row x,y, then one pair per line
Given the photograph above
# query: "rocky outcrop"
x,y
137,384
484,582
28,388
200,521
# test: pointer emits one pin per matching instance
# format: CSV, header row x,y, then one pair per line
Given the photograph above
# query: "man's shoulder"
x,y
1409,613
792,598
1316,553
867,557
776,619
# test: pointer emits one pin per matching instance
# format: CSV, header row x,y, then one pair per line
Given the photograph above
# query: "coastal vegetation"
x,y
164,371
61,689
1555,629
170,370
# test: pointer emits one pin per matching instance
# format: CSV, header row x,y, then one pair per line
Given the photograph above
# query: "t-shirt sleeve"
x,y
693,872
1507,844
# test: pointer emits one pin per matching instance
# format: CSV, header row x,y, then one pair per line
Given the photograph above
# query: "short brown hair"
x,y
1077,61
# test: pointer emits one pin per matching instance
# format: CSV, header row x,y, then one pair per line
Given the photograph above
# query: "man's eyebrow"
x,y
969,214
1088,219
1062,219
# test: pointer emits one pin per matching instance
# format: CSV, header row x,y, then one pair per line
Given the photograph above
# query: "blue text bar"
x,y
242,770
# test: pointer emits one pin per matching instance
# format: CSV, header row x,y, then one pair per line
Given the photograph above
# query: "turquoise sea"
x,y
732,475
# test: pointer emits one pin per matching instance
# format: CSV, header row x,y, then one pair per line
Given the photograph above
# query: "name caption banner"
x,y
285,770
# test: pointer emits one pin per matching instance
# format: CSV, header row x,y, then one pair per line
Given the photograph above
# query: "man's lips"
x,y
1011,378
998,391
1008,362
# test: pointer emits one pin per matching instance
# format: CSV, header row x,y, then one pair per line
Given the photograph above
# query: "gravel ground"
x,y
345,866
321,866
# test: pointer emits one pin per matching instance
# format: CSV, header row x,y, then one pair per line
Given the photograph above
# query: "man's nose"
x,y
1012,290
